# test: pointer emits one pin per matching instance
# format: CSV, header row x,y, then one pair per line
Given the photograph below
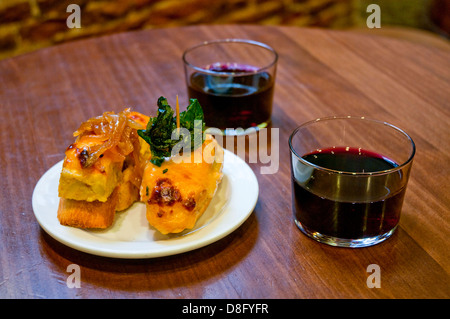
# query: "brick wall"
x,y
27,25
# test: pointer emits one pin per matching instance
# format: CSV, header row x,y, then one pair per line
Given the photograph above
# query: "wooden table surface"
x,y
45,95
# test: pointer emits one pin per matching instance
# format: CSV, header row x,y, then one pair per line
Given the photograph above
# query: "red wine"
x,y
343,205
238,101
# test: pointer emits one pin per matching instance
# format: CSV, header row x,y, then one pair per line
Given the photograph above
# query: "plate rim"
x,y
208,234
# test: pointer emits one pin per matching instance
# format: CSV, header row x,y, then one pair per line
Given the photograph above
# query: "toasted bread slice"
x,y
83,214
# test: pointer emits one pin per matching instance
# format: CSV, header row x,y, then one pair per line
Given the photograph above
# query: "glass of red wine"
x,y
349,177
233,80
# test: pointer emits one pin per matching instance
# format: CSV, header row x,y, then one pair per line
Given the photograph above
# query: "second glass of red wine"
x,y
349,178
233,80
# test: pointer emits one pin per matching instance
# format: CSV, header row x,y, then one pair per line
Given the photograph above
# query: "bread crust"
x,y
83,214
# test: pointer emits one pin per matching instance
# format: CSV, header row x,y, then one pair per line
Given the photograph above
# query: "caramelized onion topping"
x,y
116,133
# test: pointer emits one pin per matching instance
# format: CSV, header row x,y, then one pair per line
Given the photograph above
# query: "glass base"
x,y
345,242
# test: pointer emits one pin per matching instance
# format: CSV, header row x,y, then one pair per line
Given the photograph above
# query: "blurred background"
x,y
28,25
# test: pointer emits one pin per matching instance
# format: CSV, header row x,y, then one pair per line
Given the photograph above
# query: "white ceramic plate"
x,y
131,236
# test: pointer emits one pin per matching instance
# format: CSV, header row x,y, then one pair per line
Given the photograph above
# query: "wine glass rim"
x,y
363,118
228,41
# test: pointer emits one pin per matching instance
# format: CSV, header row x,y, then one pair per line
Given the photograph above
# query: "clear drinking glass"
x,y
349,177
233,79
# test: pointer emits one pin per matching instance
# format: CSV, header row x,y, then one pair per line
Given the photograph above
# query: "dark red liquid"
x,y
233,102
343,206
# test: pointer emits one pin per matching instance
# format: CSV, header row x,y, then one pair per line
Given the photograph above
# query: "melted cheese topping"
x,y
177,194
88,183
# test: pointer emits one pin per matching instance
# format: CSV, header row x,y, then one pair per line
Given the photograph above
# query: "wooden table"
x,y
45,95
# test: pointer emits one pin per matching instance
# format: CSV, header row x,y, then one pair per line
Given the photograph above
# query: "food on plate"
x,y
102,170
177,194
177,189
165,161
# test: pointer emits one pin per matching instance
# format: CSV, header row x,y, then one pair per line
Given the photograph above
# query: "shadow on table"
x,y
134,275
